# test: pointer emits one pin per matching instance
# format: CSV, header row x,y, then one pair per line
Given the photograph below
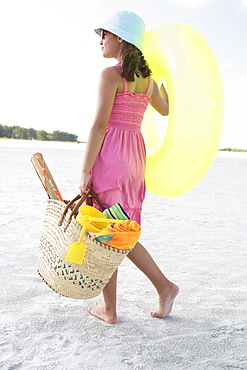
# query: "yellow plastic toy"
x,y
77,250
178,55
94,226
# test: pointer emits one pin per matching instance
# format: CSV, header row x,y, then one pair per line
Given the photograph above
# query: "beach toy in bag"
x,y
80,251
119,234
77,250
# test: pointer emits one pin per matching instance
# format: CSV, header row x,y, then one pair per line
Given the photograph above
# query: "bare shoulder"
x,y
111,79
110,74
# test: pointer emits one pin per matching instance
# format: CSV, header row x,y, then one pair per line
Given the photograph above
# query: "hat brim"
x,y
125,35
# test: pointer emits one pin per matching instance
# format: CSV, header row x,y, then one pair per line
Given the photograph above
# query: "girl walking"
x,y
115,157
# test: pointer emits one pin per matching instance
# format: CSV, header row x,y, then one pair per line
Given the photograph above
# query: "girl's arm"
x,y
106,96
160,100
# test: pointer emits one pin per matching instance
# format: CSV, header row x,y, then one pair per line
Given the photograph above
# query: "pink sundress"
x,y
119,170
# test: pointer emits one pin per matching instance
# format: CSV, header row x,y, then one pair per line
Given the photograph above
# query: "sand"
x,y
198,239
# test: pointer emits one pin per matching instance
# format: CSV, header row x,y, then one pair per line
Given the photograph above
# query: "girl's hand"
x,y
85,183
160,99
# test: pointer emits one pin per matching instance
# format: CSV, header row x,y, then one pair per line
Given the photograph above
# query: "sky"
x,y
50,58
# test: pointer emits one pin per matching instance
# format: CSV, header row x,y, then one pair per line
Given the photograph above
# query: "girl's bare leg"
x,y
167,291
107,310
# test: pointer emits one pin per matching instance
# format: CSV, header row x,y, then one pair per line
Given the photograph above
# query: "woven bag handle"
x,y
90,194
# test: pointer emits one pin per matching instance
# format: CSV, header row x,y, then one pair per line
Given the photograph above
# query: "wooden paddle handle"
x,y
90,194
45,177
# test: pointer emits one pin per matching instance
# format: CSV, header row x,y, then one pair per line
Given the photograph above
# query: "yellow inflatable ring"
x,y
178,55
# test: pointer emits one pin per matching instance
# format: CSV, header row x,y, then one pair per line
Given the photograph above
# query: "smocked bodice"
x,y
128,110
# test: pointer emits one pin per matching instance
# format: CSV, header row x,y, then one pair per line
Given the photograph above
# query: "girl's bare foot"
x,y
102,313
166,299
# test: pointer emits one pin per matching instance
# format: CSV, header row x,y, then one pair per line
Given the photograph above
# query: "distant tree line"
x,y
232,150
17,132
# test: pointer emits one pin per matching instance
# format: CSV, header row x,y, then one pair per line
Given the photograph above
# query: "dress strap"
x,y
126,84
118,67
124,79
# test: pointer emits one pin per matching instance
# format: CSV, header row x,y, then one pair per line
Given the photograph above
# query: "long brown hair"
x,y
133,62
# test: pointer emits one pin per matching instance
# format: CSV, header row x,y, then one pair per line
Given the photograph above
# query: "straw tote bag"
x,y
72,280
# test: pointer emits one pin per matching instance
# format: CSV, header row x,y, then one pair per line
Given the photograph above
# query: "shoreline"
x,y
42,143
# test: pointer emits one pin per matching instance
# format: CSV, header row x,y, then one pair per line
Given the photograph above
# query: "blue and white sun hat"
x,y
126,25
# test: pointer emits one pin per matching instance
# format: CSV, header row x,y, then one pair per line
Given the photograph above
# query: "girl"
x,y
114,161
